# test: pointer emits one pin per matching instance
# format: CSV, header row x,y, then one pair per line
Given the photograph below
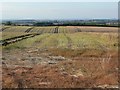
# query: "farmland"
x,y
59,56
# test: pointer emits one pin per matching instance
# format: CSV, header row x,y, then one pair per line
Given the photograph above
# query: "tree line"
x,y
60,24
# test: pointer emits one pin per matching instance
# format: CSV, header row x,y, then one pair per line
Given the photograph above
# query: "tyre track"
x,y
16,39
56,30
28,30
2,29
68,39
102,47
78,30
51,31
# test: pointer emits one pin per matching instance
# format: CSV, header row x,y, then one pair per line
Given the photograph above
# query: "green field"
x,y
65,38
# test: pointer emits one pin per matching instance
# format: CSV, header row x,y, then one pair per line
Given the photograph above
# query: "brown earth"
x,y
34,68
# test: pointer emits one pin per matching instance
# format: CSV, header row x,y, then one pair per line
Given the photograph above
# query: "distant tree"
x,y
8,23
43,24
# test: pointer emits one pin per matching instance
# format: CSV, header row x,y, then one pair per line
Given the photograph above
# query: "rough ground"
x,y
36,68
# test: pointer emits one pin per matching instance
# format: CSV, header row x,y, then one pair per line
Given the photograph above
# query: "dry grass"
x,y
91,59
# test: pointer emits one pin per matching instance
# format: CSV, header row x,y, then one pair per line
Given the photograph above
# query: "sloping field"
x,y
61,57
23,30
49,29
98,29
15,28
69,29
80,40
6,35
12,31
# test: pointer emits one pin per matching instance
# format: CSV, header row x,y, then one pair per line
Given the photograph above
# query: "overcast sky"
x,y
59,10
